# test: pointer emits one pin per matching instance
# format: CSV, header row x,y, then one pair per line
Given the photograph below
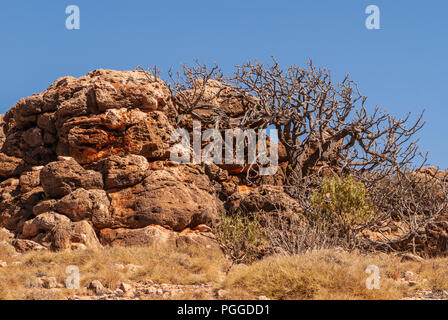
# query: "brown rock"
x,y
125,287
43,223
29,180
33,137
16,207
68,234
81,204
49,282
97,287
10,166
116,132
22,245
267,199
44,206
120,172
59,178
148,236
177,197
206,240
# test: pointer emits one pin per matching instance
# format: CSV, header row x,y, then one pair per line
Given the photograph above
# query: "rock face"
x,y
86,163
59,178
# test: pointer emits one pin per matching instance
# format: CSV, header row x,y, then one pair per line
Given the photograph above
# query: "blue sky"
x,y
402,67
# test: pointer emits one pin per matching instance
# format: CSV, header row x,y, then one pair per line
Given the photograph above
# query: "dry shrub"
x,y
241,236
343,202
324,274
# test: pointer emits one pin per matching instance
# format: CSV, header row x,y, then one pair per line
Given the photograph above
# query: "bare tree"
x,y
321,122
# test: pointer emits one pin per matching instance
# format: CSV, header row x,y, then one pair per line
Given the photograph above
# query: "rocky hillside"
x,y
86,164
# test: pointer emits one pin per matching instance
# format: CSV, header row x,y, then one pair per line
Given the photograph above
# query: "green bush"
x,y
342,201
241,236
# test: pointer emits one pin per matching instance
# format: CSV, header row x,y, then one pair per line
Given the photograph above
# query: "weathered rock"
x,y
49,282
126,288
66,235
206,240
23,245
44,206
33,137
266,199
29,180
148,236
110,134
59,178
81,204
43,223
97,287
120,172
117,89
157,236
10,166
6,234
16,207
177,197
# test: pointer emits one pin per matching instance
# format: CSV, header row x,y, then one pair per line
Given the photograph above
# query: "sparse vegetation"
x,y
321,274
343,202
242,236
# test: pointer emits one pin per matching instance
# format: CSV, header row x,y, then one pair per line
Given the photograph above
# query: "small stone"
x,y
3,264
97,287
17,263
263,298
50,282
150,290
125,287
159,292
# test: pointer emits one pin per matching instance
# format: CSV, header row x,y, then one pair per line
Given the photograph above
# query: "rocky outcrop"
x,y
86,163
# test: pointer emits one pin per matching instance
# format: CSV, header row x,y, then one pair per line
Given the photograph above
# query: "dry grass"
x,y
181,266
330,275
325,274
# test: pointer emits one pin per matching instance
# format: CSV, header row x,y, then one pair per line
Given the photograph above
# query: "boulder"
x,y
59,178
121,172
23,245
29,180
84,204
177,197
148,236
10,166
74,235
43,223
16,206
